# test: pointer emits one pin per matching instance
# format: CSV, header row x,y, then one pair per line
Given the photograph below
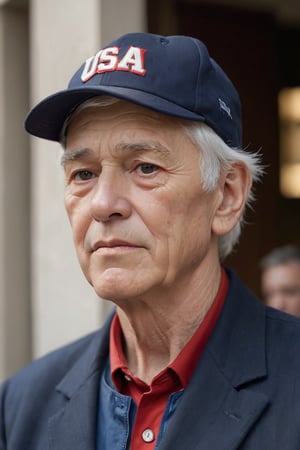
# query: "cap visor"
x,y
46,119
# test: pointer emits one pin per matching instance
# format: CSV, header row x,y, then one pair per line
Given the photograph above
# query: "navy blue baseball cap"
x,y
172,75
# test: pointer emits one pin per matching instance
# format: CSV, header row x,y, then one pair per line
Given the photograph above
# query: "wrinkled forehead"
x,y
109,112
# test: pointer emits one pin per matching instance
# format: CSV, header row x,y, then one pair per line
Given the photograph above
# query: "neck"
x,y
156,329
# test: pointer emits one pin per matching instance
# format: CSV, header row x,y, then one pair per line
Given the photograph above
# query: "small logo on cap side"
x,y
107,60
225,108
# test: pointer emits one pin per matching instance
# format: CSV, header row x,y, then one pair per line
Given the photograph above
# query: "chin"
x,y
115,285
118,283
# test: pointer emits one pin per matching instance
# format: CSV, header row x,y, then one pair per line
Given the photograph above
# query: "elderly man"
x,y
156,187
280,279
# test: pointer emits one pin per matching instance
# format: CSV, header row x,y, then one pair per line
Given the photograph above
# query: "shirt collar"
x,y
185,363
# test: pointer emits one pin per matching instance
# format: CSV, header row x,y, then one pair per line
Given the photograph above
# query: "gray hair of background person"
x,y
281,255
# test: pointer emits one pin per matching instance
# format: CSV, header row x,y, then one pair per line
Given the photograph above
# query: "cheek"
x,y
165,222
78,216
194,218
168,218
70,204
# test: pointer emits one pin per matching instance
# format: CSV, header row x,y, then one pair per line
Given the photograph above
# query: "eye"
x,y
147,168
83,175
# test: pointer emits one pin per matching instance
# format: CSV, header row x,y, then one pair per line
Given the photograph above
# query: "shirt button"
x,y
127,378
148,435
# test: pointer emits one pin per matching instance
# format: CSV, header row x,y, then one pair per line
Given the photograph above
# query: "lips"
x,y
114,243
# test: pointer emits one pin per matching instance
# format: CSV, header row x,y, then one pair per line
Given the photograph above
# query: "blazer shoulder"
x,y
52,365
282,326
273,314
55,364
35,383
41,388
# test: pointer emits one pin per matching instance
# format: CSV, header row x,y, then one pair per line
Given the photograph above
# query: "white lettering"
x,y
90,67
108,60
133,61
225,107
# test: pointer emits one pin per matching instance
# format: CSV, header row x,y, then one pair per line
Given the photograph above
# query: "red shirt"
x,y
152,399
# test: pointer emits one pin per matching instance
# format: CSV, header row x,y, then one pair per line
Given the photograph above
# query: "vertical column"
x,y
64,33
64,306
15,336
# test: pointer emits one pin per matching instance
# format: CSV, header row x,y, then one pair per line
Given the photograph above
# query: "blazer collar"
x,y
238,341
88,363
218,407
74,425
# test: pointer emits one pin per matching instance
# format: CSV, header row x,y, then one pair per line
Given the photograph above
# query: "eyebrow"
x,y
73,155
154,146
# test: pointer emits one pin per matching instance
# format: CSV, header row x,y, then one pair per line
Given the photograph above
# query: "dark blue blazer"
x,y
244,394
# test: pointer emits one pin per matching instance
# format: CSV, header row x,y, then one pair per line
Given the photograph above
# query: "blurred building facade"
x,y
44,299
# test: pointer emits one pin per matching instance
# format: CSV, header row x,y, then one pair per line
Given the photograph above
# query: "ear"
x,y
234,187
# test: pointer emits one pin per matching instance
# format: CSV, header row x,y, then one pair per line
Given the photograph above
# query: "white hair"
x,y
216,156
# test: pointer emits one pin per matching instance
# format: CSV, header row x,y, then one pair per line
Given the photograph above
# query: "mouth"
x,y
114,244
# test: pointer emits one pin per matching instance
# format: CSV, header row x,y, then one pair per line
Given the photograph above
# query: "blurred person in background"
x,y
280,279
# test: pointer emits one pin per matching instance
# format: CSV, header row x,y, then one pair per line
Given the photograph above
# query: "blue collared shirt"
x,y
116,414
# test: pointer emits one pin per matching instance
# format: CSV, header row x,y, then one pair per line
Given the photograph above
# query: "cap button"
x,y
164,41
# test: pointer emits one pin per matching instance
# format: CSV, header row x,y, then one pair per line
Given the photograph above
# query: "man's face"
x,y
281,287
141,221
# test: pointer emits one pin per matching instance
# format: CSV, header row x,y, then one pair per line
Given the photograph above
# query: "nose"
x,y
110,198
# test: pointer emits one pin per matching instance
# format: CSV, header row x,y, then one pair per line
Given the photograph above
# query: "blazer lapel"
x,y
212,414
74,425
219,407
